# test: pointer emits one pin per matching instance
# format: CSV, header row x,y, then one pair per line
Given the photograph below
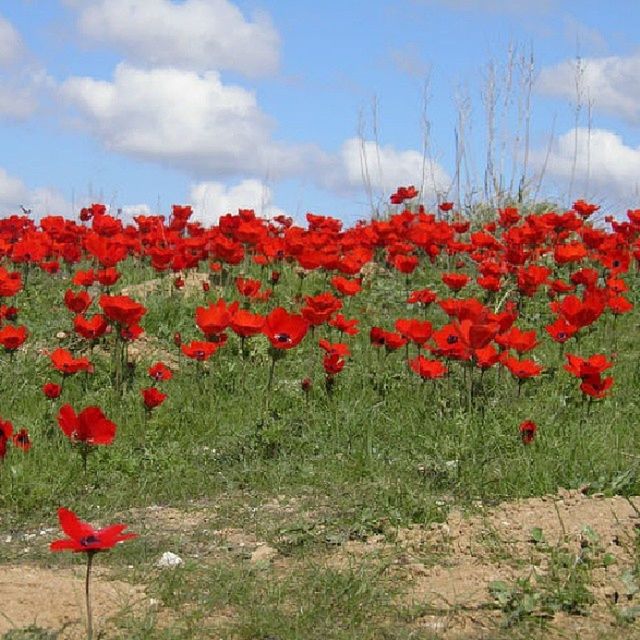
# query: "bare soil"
x,y
443,571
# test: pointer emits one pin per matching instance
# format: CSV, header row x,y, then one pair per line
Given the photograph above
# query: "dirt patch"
x,y
54,599
192,286
573,555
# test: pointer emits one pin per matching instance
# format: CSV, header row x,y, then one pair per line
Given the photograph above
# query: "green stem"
x,y
87,582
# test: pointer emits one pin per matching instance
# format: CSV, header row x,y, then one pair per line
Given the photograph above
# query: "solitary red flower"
x,y
455,281
51,390
339,322
284,330
82,537
66,364
422,296
345,286
160,372
521,369
12,337
528,431
428,369
333,364
91,328
122,309
90,426
216,317
152,397
199,350
21,440
77,302
246,324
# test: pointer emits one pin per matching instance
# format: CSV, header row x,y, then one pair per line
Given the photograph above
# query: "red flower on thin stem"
x,y
160,372
90,426
22,440
528,431
11,338
83,538
152,397
284,330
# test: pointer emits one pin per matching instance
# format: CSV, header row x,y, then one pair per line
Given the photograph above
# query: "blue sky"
x,y
305,106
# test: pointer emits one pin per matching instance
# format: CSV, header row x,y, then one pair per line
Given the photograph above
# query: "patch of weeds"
x,y
561,585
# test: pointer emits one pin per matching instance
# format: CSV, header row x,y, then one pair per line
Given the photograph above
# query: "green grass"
x,y
383,450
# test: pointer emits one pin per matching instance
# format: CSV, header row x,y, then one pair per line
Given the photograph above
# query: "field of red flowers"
x,y
395,367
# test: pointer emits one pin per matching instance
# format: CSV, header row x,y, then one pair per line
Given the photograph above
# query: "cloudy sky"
x,y
295,106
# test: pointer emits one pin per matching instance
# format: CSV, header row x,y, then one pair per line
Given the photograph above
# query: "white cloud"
x,y
11,46
612,168
199,35
612,83
185,120
210,200
385,168
41,201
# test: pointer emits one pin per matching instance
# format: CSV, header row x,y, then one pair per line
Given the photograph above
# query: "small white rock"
x,y
169,559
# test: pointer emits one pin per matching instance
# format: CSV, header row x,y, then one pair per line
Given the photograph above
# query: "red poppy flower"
x,y
82,537
581,368
246,324
216,318
619,305
122,309
284,330
339,322
422,296
486,357
84,278
197,350
11,338
403,193
77,302
91,328
333,364
518,340
247,287
596,386
108,277
66,364
334,347
476,334
528,431
345,286
152,397
160,372
428,369
418,331
320,309
51,390
445,206
405,263
521,369
561,330
449,344
584,208
90,426
455,281
22,440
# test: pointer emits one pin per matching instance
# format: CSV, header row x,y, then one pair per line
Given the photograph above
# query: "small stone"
x,y
169,560
263,554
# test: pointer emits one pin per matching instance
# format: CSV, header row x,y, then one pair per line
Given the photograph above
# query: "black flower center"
x,y
452,339
283,338
89,540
